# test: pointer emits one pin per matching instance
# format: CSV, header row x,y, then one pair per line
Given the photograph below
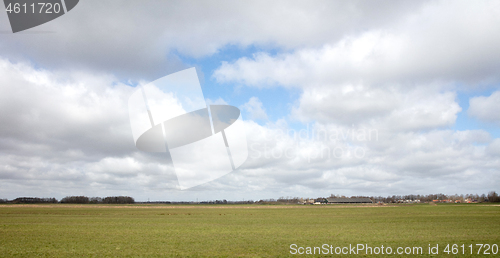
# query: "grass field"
x,y
240,231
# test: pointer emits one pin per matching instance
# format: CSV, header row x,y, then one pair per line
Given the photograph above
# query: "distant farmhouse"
x,y
348,200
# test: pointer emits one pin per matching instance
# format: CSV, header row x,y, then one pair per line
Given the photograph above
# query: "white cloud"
x,y
486,108
401,76
135,38
494,148
422,109
393,162
346,104
218,101
442,42
69,133
391,108
68,129
255,109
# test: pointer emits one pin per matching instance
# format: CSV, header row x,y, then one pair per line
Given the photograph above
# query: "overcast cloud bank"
x,y
394,68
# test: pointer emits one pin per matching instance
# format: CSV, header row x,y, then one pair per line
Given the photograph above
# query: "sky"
x,y
337,97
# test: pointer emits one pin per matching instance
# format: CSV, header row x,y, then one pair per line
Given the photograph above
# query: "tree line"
x,y
490,197
74,200
97,200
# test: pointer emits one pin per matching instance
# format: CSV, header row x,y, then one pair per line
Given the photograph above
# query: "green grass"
x,y
237,231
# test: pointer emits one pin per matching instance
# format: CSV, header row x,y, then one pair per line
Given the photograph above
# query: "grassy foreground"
x,y
240,231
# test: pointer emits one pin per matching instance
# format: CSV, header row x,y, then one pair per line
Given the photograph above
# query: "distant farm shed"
x,y
349,200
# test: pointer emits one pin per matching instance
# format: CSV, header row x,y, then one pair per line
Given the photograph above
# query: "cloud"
x,y
218,101
69,134
254,109
402,76
439,43
422,109
494,148
59,128
76,111
138,40
393,108
486,108
393,162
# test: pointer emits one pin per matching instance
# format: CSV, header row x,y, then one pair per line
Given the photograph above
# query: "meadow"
x,y
59,230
